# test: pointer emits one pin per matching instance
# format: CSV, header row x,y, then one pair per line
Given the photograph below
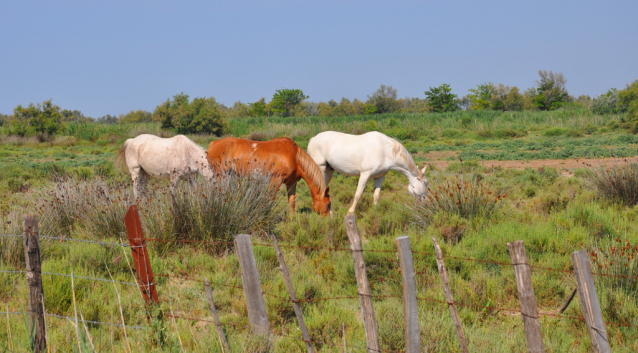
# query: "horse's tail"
x,y
120,160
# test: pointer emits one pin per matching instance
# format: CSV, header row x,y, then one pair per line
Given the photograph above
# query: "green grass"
x,y
553,215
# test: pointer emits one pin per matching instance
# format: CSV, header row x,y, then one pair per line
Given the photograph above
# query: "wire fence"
x,y
288,298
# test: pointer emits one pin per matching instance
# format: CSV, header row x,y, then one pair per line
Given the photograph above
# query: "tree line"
x,y
206,115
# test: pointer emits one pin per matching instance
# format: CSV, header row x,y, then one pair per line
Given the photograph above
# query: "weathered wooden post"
x,y
291,291
365,294
220,329
526,297
448,296
252,286
589,302
141,260
31,241
410,307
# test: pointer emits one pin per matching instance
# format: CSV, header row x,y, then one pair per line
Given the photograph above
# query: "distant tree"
x,y
384,100
202,115
107,119
238,110
414,105
75,116
506,98
628,101
285,101
481,97
606,103
551,92
441,99
3,119
136,116
42,119
325,109
259,108
311,108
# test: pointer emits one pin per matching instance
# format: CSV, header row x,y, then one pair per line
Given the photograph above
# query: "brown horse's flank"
x,y
282,158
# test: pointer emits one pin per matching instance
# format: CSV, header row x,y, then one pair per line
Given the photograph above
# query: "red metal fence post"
x,y
140,255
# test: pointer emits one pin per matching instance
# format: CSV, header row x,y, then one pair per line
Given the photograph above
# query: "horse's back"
x,y
352,154
278,155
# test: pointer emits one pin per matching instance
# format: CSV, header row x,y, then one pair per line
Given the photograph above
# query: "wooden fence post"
x,y
448,296
141,260
220,329
252,286
589,302
410,308
365,294
291,291
526,296
31,241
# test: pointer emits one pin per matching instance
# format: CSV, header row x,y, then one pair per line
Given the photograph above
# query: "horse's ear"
x,y
423,170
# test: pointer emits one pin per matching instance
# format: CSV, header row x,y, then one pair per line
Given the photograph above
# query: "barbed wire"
x,y
84,241
197,280
73,319
91,278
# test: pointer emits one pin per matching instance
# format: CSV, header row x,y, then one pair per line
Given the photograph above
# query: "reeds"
x,y
617,183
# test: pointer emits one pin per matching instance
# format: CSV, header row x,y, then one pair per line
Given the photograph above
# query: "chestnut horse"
x,y
281,157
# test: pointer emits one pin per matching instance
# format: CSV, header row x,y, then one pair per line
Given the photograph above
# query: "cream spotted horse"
x,y
173,158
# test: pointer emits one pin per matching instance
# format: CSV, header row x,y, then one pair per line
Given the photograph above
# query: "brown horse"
x,y
282,157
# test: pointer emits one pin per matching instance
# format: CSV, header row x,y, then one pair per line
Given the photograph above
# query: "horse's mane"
x,y
311,168
398,150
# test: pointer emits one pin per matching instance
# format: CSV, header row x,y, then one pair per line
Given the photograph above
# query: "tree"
x,y
628,101
384,100
238,110
481,96
75,116
285,101
136,116
42,119
259,108
551,92
107,119
202,115
606,103
441,99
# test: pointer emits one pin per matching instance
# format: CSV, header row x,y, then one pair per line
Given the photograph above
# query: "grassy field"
x,y
554,215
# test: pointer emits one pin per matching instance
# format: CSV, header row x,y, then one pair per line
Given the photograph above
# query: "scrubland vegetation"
x,y
67,177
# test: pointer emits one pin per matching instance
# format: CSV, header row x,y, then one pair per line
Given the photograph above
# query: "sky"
x,y
111,57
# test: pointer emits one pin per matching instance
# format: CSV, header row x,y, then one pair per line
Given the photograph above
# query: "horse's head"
x,y
419,185
322,204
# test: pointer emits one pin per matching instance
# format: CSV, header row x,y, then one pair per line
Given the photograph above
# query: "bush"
x,y
605,103
617,258
618,183
555,131
201,116
43,120
441,99
466,197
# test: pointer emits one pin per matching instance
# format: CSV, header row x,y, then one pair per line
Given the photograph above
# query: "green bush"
x,y
554,131
201,116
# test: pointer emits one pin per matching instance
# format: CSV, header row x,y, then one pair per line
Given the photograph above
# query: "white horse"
x,y
172,158
371,155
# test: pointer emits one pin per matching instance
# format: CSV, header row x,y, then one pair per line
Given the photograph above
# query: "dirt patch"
x,y
564,166
438,155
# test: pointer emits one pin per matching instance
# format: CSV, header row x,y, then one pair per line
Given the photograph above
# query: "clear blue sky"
x,y
110,57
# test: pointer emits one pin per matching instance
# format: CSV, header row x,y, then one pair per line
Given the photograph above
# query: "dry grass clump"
x,y
617,183
202,210
464,196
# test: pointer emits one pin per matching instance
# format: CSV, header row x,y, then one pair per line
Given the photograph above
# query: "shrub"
x,y
617,183
384,100
285,101
617,258
574,133
467,197
441,99
554,131
605,103
43,119
201,116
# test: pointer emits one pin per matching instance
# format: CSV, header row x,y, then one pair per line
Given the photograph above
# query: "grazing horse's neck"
x,y
406,170
316,190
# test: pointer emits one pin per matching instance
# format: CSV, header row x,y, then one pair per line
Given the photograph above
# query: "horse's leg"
x,y
363,180
377,189
143,179
175,177
136,175
292,191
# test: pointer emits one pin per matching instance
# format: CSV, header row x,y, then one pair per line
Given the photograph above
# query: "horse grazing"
x,y
282,158
371,155
172,158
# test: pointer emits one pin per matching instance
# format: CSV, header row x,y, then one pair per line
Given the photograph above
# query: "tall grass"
x,y
217,210
617,183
